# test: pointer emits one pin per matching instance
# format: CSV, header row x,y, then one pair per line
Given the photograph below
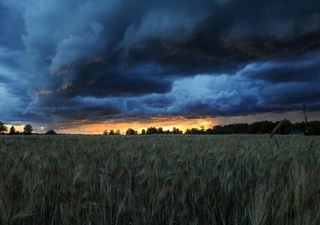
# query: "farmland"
x,y
155,180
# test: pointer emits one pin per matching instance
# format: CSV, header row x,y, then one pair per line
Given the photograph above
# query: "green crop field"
x,y
157,180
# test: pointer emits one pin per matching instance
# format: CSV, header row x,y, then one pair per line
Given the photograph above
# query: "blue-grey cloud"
x,y
212,95
93,59
301,69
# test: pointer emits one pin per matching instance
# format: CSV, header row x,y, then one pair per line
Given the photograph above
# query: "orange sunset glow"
x,y
16,127
167,123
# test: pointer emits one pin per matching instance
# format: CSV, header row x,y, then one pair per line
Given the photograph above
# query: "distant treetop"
x,y
28,129
51,132
12,130
3,128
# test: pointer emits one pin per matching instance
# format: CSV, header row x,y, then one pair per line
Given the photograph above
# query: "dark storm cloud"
x,y
12,27
90,59
238,32
103,80
301,69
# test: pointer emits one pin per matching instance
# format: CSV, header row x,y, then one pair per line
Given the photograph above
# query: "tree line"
x,y
27,130
266,127
262,127
148,131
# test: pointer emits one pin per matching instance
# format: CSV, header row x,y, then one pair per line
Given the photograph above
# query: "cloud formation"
x,y
90,59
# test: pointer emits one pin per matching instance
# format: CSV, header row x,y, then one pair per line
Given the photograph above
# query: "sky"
x,y
82,66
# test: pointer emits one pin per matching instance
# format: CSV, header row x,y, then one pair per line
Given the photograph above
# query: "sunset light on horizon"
x,y
167,123
157,112
86,66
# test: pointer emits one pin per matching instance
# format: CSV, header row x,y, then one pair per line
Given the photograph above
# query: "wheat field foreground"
x,y
155,180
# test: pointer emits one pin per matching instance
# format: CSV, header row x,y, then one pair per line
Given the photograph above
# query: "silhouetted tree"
x,y
314,128
111,132
176,131
12,131
105,132
152,130
202,129
143,132
194,131
286,128
160,130
51,132
3,128
131,132
28,129
118,132
262,127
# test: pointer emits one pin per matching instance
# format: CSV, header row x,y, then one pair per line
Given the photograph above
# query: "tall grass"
x,y
155,180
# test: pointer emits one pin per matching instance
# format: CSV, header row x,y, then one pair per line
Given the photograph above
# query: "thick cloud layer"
x,y
96,59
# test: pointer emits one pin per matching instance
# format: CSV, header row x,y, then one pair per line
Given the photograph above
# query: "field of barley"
x,y
158,180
